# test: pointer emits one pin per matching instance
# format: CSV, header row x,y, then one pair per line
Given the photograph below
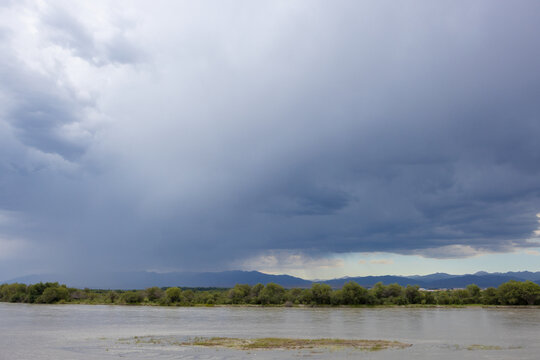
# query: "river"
x,y
63,332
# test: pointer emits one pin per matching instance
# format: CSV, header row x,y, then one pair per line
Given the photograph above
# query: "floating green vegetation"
x,y
483,347
277,343
288,343
491,347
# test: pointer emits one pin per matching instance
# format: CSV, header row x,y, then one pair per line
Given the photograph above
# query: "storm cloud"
x,y
200,135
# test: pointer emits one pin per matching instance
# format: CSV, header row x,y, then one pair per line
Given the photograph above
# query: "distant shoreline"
x,y
512,293
297,306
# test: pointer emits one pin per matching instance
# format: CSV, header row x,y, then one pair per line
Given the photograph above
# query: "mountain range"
x,y
226,279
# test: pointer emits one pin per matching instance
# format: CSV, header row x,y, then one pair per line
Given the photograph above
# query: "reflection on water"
x,y
93,331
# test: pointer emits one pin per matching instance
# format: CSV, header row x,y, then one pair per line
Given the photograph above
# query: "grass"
x,y
278,343
271,343
483,347
295,344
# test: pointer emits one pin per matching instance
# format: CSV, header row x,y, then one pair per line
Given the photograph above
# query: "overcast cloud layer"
x,y
203,135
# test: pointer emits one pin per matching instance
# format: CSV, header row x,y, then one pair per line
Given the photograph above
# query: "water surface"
x,y
97,331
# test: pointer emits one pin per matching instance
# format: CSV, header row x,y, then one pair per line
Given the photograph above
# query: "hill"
x,y
226,279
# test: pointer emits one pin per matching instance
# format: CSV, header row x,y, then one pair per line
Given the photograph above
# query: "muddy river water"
x,y
63,332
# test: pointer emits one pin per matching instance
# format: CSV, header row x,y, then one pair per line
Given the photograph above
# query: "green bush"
x,y
272,294
173,294
133,297
53,294
510,293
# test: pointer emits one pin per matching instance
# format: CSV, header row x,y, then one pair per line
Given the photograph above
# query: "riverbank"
x,y
512,293
295,306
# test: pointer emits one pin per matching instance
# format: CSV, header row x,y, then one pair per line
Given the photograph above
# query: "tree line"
x,y
509,293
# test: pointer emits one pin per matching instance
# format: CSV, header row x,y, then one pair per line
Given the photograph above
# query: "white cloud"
x,y
285,262
450,252
382,261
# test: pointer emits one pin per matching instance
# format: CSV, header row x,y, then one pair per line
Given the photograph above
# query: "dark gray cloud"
x,y
39,110
359,127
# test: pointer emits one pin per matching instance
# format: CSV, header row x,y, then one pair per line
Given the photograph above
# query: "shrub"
x,y
54,294
173,294
133,297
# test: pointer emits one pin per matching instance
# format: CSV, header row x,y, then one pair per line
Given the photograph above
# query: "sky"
x,y
314,138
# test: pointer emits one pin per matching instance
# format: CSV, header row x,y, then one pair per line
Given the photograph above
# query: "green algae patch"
x,y
295,344
483,347
476,347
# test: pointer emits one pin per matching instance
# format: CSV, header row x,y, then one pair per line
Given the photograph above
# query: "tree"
x,y
13,292
474,294
321,293
442,297
112,296
428,298
518,293
272,294
239,293
306,296
294,295
188,296
154,293
393,290
460,296
530,292
254,292
54,294
133,297
173,294
489,296
34,291
336,297
412,294
378,292
354,294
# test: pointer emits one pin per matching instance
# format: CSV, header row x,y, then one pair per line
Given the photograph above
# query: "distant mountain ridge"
x,y
226,279
145,279
435,276
428,282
